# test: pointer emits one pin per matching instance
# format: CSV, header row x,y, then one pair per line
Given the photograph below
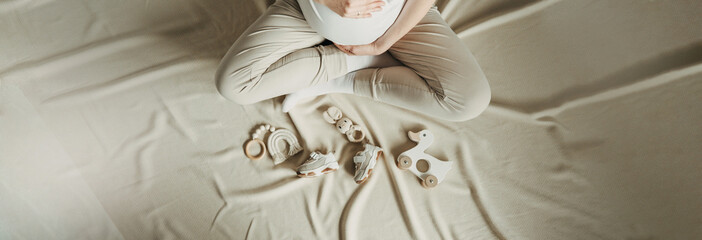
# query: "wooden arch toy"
x,y
285,136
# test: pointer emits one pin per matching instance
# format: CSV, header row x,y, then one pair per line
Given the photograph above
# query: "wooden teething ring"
x,y
260,143
352,135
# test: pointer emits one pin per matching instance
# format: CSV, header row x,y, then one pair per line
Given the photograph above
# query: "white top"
x,y
350,31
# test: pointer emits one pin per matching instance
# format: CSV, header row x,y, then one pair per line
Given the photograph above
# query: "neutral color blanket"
x,y
111,128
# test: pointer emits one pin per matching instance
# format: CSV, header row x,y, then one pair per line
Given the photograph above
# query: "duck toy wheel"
x,y
430,181
404,162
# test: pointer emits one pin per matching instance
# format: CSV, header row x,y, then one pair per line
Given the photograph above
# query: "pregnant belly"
x,y
349,31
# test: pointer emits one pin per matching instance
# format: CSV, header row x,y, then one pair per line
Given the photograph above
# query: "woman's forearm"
x,y
411,14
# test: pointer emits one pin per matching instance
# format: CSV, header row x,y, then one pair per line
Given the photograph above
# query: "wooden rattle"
x,y
426,167
353,132
257,138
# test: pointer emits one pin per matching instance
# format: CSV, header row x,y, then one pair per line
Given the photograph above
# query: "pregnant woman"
x,y
400,52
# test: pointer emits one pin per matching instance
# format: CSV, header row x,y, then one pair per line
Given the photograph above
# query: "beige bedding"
x,y
111,128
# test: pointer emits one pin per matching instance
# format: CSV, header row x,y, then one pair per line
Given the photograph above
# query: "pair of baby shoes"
x,y
320,164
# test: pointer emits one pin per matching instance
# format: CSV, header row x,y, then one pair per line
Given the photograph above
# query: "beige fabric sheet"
x,y
111,128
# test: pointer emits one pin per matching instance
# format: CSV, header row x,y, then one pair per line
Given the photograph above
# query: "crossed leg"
x,y
275,56
440,78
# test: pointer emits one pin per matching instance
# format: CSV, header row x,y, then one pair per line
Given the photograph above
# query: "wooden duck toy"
x,y
426,167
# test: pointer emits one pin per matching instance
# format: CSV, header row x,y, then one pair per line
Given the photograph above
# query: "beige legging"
x,y
279,54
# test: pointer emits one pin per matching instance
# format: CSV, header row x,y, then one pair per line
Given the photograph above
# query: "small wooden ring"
x,y
352,134
260,143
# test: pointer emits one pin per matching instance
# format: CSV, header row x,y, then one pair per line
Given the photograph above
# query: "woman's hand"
x,y
353,8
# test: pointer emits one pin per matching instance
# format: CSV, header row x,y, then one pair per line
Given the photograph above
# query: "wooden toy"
x,y
277,135
257,138
353,132
286,136
426,167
